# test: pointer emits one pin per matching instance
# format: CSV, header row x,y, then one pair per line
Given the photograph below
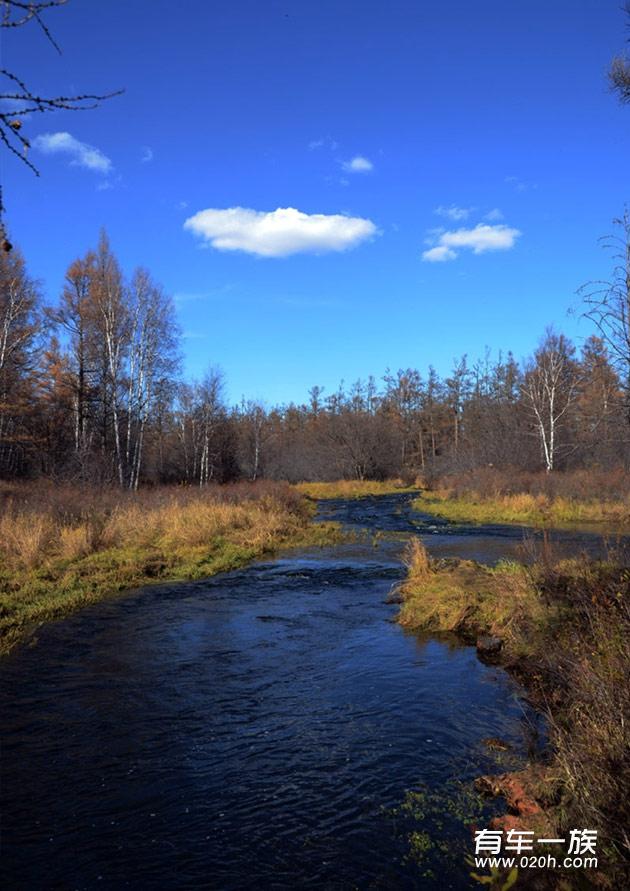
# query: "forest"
x,y
91,392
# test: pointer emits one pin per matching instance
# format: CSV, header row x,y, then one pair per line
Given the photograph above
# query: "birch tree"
x,y
549,391
256,432
153,361
114,323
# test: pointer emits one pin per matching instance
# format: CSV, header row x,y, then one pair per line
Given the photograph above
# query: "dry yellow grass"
x,y
463,596
24,538
353,488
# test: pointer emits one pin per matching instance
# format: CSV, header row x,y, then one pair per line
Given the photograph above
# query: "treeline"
x,y
90,390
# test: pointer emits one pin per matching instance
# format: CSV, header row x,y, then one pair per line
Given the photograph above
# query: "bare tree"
x,y
608,305
76,316
114,328
457,391
153,359
18,100
549,390
256,433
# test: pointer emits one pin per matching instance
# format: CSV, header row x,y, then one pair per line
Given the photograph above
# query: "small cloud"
x,y
278,233
80,153
147,154
182,205
439,254
454,212
358,164
493,215
480,240
324,142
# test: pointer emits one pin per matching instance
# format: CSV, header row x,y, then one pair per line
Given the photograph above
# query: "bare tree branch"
x,y
607,304
18,100
17,13
619,71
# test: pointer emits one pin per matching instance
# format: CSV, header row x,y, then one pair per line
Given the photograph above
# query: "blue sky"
x,y
487,141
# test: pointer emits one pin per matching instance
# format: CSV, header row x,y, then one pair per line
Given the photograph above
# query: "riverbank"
x,y
563,629
349,489
62,548
564,500
527,510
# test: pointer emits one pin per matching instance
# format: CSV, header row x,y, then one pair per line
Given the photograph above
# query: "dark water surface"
x,y
255,730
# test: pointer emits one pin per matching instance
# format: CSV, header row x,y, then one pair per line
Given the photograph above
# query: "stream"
x,y
261,729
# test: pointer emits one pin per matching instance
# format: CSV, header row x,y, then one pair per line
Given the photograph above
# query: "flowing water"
x,y
259,729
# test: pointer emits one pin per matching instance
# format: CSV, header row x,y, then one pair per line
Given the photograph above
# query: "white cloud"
x,y
147,154
439,254
454,212
81,154
479,240
482,238
494,214
358,164
278,233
